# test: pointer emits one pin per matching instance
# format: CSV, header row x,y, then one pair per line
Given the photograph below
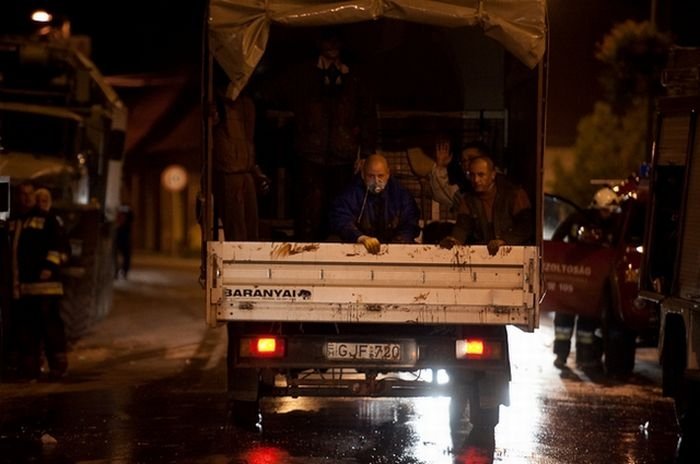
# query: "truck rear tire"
x,y
619,346
243,385
245,414
466,401
673,360
244,399
620,352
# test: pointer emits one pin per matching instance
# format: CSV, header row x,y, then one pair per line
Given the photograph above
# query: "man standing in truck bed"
x,y
236,172
334,127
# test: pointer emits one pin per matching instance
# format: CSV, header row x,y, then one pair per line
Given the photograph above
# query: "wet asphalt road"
x,y
147,386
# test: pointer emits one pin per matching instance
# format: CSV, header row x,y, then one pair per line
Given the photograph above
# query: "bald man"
x,y
375,209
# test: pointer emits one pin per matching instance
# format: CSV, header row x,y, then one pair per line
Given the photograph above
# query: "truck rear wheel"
x,y
245,414
620,352
619,346
467,402
243,385
244,400
673,360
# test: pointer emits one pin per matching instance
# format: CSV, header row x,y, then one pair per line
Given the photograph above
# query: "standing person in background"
x,y
335,128
236,174
53,334
449,181
597,224
448,187
44,201
122,241
36,260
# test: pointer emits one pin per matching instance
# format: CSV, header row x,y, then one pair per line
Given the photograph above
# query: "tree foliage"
x,y
634,54
611,141
608,146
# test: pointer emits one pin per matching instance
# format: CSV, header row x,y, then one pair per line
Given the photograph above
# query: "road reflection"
x,y
407,430
149,387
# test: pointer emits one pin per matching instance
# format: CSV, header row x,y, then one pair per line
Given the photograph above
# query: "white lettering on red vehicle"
x,y
570,269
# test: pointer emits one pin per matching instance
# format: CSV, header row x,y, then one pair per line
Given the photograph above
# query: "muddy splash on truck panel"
x,y
289,249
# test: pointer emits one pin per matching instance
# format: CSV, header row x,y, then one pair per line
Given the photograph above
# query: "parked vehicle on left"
x,y
63,127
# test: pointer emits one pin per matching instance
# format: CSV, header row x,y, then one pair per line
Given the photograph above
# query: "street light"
x,y
41,16
49,28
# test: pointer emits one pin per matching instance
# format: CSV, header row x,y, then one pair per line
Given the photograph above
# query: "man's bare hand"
x,y
494,245
448,242
262,182
359,164
371,244
442,154
213,113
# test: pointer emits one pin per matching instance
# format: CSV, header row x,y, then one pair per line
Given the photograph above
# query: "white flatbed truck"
x,y
331,319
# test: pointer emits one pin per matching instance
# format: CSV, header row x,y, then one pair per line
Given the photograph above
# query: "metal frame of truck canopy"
x,y
239,29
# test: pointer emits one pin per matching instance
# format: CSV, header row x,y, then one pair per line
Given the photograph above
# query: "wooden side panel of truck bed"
x,y
332,282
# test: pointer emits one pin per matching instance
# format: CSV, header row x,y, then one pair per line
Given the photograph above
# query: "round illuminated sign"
x,y
174,178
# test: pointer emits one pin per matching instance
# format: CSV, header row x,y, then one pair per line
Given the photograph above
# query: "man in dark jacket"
x,y
375,209
334,128
494,213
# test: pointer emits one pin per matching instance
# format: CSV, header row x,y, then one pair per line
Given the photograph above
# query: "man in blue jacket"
x,y
375,209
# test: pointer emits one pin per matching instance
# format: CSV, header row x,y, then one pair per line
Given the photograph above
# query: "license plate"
x,y
363,351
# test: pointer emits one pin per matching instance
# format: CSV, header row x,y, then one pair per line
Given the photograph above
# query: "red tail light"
x,y
262,347
266,345
477,348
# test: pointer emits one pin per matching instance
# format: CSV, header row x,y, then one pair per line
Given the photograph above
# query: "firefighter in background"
x,y
44,200
35,316
596,224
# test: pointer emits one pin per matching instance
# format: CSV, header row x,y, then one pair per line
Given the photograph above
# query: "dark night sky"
x,y
575,29
134,36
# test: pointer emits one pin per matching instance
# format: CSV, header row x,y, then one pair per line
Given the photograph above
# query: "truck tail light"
x,y
262,347
478,348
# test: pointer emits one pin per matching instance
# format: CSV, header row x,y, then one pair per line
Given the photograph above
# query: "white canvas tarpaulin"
x,y
239,29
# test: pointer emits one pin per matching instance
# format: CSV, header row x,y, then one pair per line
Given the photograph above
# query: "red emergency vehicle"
x,y
597,277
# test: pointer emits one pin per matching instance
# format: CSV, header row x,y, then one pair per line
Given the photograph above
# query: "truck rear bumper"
x,y
377,348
